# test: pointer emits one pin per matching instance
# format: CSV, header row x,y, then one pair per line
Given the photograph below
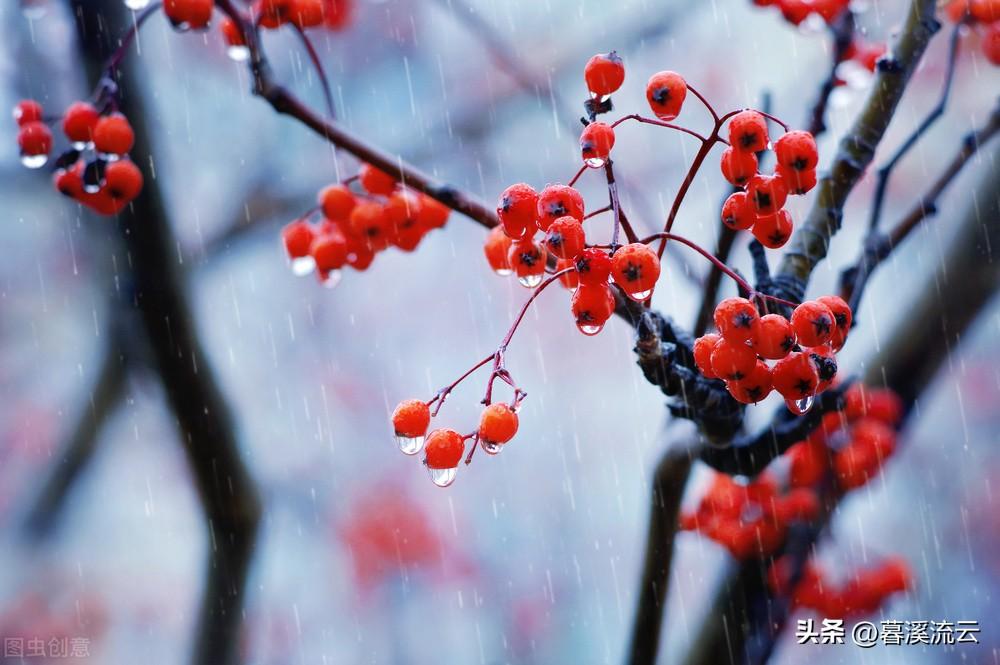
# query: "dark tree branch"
x,y
843,35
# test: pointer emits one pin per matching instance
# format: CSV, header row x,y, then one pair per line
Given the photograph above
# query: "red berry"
x,y
571,278
496,248
813,323
767,193
113,135
27,110
809,461
841,315
733,360
635,268
444,449
604,73
557,201
79,122
123,180
798,505
34,139
594,266
991,43
854,465
773,231
329,250
69,181
748,131
272,13
411,418
194,14
518,210
337,201
795,11
772,337
565,238
370,224
826,366
375,181
231,32
880,403
737,212
596,142
985,11
592,305
431,213
338,13
795,376
527,260
405,230
754,387
359,253
665,93
298,237
703,347
796,150
797,182
306,13
735,318
956,10
738,166
497,424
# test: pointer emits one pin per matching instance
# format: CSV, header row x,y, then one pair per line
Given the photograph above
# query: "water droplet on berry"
x,y
331,279
641,295
800,407
303,265
530,281
491,448
34,9
443,477
813,24
595,162
859,6
80,146
410,445
503,272
590,329
34,161
238,53
136,5
109,156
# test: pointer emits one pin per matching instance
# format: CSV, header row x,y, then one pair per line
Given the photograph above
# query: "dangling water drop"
x,y
34,9
410,445
303,265
136,5
331,279
503,272
91,188
641,295
800,407
443,477
595,162
238,53
590,329
80,146
530,281
813,24
34,161
491,448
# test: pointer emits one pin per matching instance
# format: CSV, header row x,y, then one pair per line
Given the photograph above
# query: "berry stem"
x,y
579,173
699,159
442,394
658,123
711,109
111,67
320,71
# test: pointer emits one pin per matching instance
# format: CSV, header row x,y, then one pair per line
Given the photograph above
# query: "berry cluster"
x,y
797,11
759,206
95,170
270,14
348,227
863,592
803,348
985,15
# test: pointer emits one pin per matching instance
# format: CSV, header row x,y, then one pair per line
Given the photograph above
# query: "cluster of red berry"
x,y
797,11
863,592
196,15
803,346
106,181
760,205
350,227
985,14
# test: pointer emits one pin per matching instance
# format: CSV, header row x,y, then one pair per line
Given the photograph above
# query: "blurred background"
x,y
532,556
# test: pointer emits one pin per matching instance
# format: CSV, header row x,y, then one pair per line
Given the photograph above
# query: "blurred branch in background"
x,y
842,32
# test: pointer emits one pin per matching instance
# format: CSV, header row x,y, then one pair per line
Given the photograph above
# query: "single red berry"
x,y
773,231
271,14
797,182
703,347
338,13
113,135
738,166
411,418
876,435
337,201
79,122
795,376
497,424
596,142
306,13
808,462
359,253
565,238
405,230
231,33
737,213
772,337
329,250
604,73
985,11
194,14
826,365
841,315
767,193
795,11
991,43
733,360
665,92
862,401
123,180
28,110
444,449
854,465
527,260
298,237
34,139
754,387
748,131
593,266
571,278
496,248
518,210
592,305
956,10
813,323
735,318
69,181
798,505
431,213
375,181
796,150
370,224
557,201
635,268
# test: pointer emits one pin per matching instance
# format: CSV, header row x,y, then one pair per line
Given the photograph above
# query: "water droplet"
x,y
589,329
641,295
331,279
80,146
410,445
855,75
303,265
34,161
813,24
34,9
491,448
443,477
136,5
800,407
503,272
530,281
595,162
91,188
769,146
238,53
109,156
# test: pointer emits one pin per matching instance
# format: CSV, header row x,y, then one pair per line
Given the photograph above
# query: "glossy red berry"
x,y
34,139
443,449
337,201
862,401
733,360
557,201
703,347
79,122
405,230
773,231
736,319
754,387
123,180
375,181
635,268
592,305
28,110
737,213
594,266
69,181
985,11
796,150
496,249
665,92
826,365
808,462
842,317
527,260
497,424
797,182
370,224
772,337
411,418
748,131
431,213
297,237
604,73
518,210
565,238
194,14
738,166
767,193
990,43
329,250
113,135
596,142
306,13
813,323
795,376
231,33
